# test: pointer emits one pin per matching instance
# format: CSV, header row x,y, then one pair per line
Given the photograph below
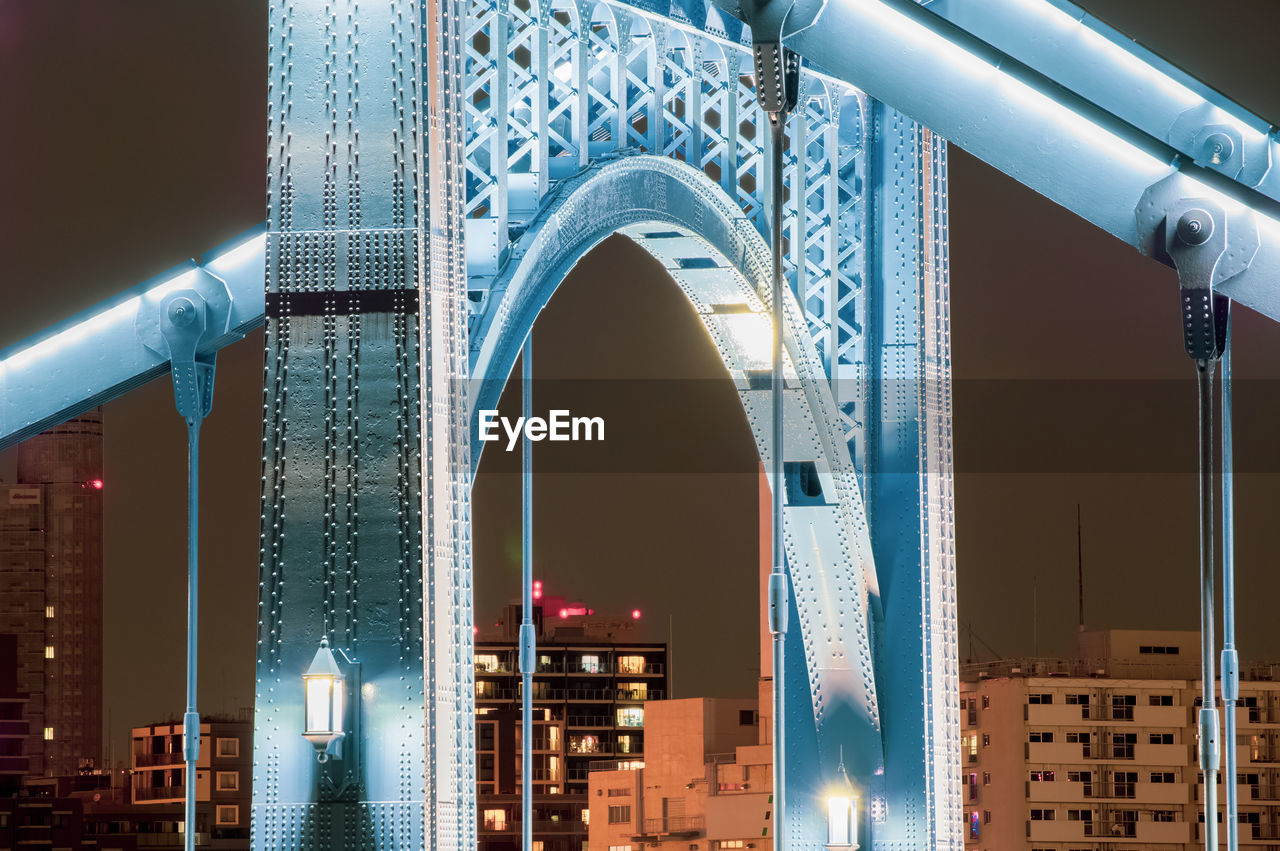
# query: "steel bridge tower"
x,y
434,170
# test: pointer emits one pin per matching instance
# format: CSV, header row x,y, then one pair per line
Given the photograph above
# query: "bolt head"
x,y
182,312
1195,227
1218,148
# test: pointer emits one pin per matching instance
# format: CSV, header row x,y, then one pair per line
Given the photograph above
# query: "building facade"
x,y
1099,752
706,784
13,722
51,591
223,778
591,693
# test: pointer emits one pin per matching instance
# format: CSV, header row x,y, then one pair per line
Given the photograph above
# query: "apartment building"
x,y
705,785
591,692
223,778
51,591
1099,752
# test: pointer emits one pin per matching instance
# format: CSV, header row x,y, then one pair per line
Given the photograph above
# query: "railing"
x,y
1265,831
541,825
500,668
166,840
639,694
588,694
637,670
1081,668
1120,789
590,721
613,765
674,825
1120,829
153,793
1264,792
146,760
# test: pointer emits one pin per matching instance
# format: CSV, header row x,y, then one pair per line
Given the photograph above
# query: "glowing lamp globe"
x,y
842,814
324,688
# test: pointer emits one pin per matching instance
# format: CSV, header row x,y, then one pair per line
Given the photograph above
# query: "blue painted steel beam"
x,y
1101,165
103,352
1085,56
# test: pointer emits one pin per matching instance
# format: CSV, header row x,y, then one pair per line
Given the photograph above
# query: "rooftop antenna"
x,y
1080,567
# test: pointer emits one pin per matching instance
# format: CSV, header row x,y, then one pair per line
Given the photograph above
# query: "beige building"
x,y
706,782
1099,752
224,774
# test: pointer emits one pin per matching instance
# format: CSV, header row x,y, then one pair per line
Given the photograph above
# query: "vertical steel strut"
x,y
1209,751
526,618
1230,661
1195,234
183,320
777,88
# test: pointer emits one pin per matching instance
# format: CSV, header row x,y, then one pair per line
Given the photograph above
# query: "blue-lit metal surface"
x,y
679,216
454,231
116,346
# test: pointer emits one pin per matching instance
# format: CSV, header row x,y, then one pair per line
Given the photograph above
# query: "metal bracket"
x,y
777,78
1208,244
1196,241
1220,146
175,324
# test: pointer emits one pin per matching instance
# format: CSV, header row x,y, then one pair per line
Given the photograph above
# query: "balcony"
x,y
675,827
149,760
649,668
159,793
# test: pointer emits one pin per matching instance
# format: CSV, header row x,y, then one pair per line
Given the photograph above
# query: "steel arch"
x,y
679,215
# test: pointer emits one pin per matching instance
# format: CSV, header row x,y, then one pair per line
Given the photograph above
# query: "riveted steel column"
x,y
542,109
366,471
502,127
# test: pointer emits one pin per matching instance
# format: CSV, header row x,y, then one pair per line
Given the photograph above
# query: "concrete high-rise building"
x,y
706,785
1099,752
591,689
51,591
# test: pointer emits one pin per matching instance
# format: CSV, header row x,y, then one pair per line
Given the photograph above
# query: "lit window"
x,y
635,691
630,716
619,848
48,651
228,814
590,665
630,664
48,734
731,843
229,747
487,662
228,781
586,815
48,611
628,743
495,819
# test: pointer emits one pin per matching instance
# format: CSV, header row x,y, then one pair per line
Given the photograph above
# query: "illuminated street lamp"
x,y
842,813
324,687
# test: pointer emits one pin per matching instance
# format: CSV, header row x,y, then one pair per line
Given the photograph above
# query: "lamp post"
x,y
842,813
324,688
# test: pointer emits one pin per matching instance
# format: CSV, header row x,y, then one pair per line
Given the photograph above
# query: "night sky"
x,y
134,137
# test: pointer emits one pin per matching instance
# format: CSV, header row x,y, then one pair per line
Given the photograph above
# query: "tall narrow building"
x,y
51,591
